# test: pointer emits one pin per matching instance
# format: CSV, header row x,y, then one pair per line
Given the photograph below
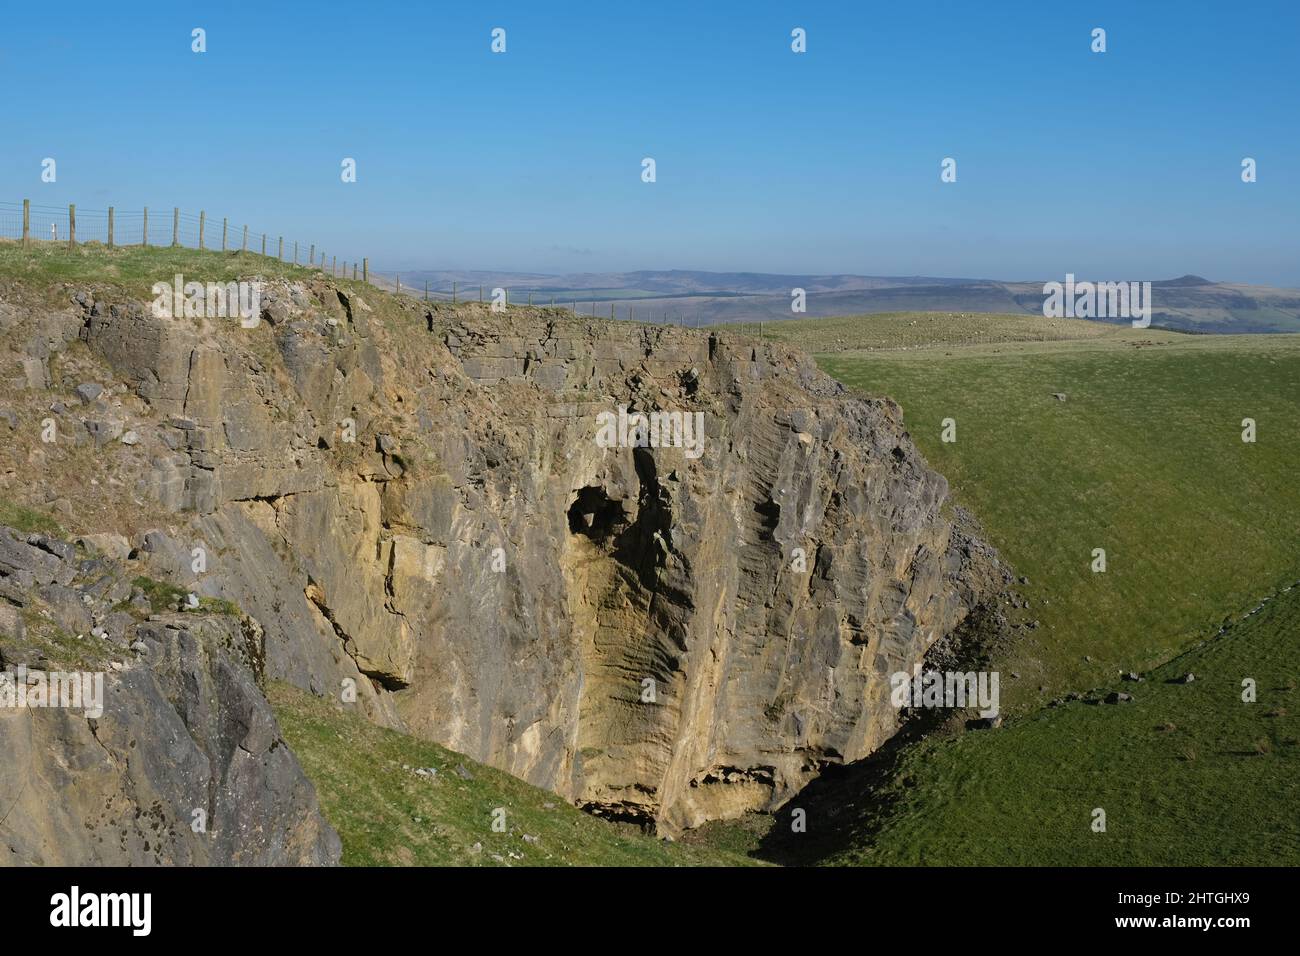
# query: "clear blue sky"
x,y
1117,165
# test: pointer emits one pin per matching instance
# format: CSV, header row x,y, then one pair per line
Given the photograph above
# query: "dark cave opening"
x,y
594,515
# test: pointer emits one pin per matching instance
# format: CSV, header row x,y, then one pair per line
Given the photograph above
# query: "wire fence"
x,y
30,222
580,306
160,226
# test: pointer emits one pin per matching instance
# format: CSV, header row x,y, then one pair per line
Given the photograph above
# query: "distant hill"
x,y
1188,303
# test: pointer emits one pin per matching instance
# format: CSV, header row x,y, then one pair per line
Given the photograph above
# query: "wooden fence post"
x,y
280,256
110,227
27,221
225,226
263,243
365,270
453,292
354,272
72,225
311,256
426,290
144,235
202,219
176,225
245,247
334,266
295,253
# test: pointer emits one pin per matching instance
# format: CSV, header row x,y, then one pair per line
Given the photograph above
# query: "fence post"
x,y
145,233
354,272
176,225
225,225
399,285
280,256
110,227
27,221
263,243
480,293
365,270
245,248
334,266
202,219
311,257
453,292
426,290
72,225
611,310
295,253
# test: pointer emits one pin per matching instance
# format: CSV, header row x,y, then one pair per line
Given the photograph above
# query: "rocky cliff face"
x,y
132,737
417,505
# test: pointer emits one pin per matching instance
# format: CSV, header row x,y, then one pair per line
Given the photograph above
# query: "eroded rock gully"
x,y
654,636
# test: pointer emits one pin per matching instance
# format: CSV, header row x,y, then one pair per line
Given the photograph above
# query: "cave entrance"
x,y
595,515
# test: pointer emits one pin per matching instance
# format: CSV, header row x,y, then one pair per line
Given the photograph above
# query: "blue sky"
x,y
1117,165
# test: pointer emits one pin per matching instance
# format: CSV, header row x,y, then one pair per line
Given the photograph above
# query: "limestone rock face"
x,y
174,757
419,505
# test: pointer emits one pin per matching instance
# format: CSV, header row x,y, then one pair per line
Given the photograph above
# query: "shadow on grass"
x,y
846,805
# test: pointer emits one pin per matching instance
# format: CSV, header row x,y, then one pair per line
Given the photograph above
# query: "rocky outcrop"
x,y
137,738
419,505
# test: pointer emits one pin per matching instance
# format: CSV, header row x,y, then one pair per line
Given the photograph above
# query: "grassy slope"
x,y
1144,459
387,815
1187,774
132,268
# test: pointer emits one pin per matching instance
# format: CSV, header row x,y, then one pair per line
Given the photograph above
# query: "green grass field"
x,y
387,815
132,268
1186,774
1144,458
926,330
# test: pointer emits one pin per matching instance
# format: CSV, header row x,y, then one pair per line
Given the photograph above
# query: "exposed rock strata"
x,y
178,761
490,577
